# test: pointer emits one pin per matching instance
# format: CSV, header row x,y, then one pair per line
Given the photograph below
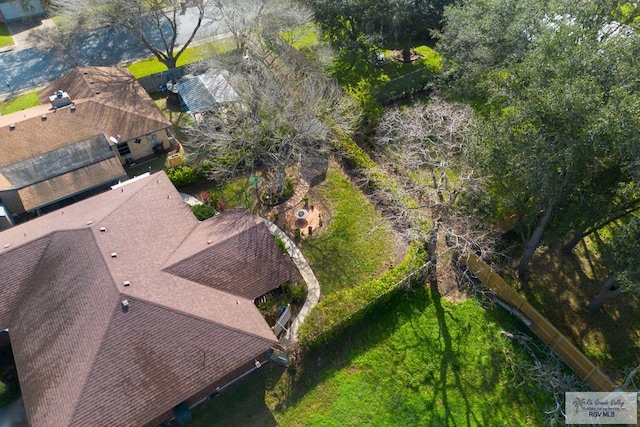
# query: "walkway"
x,y
313,287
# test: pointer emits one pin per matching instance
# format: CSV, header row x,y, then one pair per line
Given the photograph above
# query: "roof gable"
x,y
153,358
234,252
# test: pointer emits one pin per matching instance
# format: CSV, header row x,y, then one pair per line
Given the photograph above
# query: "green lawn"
x,y
5,36
191,54
20,102
414,361
357,244
351,67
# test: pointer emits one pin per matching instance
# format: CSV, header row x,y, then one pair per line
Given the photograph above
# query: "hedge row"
x,y
345,307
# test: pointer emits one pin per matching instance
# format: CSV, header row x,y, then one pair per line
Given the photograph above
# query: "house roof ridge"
x,y
195,316
98,350
197,228
109,104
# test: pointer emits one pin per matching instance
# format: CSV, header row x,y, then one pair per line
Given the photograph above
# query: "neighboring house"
x,y
92,121
123,306
11,10
202,93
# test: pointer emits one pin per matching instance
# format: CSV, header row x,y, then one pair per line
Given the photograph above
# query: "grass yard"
x,y
357,245
416,360
191,54
19,103
351,68
5,36
237,193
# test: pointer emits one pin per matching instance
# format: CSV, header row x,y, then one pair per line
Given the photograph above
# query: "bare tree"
x,y
546,372
250,20
287,112
424,146
153,22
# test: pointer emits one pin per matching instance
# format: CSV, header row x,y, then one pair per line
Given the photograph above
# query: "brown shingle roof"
x,y
81,359
121,107
234,253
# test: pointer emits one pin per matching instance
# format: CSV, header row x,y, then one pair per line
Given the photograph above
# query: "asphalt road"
x,y
27,67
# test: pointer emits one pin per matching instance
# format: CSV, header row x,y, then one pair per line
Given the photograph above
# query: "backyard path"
x,y
313,287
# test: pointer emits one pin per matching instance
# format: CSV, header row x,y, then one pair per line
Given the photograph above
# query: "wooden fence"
x,y
155,82
577,361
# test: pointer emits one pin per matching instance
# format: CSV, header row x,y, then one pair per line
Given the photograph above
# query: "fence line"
x,y
575,359
154,82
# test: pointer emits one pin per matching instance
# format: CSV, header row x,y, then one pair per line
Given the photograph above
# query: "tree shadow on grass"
x,y
562,290
380,321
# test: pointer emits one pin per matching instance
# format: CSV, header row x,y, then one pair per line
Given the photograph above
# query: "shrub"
x,y
182,175
280,243
203,212
288,189
294,292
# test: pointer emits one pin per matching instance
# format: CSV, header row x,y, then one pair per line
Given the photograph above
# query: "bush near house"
x,y
203,212
182,175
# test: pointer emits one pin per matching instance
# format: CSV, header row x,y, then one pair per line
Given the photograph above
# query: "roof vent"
x,y
89,222
43,117
7,245
59,99
12,126
114,255
126,283
103,229
125,303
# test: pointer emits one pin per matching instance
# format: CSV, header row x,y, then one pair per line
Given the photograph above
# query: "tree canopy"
x,y
558,89
361,23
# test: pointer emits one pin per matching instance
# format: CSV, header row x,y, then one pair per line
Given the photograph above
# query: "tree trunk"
x,y
607,292
577,237
406,51
532,244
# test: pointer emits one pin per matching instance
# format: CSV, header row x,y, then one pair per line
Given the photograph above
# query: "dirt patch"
x,y
396,55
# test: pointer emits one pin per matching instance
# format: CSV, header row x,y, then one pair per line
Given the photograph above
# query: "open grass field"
x,y
414,361
5,36
19,103
356,245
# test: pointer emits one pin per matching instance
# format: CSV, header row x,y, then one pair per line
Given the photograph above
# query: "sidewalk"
x,y
313,287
